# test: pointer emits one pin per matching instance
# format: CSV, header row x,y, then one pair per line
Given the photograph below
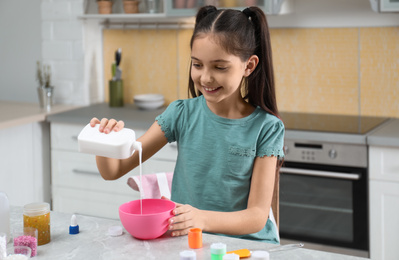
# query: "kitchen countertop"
x,y
19,113
142,119
130,114
387,135
93,242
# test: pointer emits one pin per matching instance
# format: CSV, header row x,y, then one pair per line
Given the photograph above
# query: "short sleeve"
x,y
272,142
171,120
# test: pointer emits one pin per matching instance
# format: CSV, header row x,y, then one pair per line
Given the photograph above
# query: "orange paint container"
x,y
195,238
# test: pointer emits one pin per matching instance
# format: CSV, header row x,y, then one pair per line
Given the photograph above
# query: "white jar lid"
x,y
115,231
260,255
218,248
188,255
36,209
231,257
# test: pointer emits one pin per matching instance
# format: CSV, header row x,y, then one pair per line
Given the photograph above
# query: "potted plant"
x,y
131,6
45,90
104,6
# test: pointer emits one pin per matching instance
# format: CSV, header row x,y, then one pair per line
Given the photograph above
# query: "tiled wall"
x,y
318,70
62,48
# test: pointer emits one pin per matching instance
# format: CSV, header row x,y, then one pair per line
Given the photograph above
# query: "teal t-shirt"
x,y
216,156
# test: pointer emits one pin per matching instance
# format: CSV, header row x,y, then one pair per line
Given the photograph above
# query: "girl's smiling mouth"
x,y
211,90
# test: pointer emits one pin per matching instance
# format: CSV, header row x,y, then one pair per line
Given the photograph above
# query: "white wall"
x,y
49,31
20,48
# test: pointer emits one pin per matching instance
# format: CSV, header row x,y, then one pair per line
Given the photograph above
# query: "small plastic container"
x,y
195,238
37,215
18,253
218,250
26,237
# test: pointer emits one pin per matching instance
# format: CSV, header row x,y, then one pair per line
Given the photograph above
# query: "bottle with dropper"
x,y
74,227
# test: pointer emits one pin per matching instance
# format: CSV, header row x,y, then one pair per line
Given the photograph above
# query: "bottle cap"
x,y
218,249
231,257
195,238
188,255
115,231
74,227
260,255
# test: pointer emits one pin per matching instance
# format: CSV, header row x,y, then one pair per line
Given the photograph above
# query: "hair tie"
x,y
247,12
210,9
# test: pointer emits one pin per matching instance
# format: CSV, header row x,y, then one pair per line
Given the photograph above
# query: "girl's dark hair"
x,y
242,33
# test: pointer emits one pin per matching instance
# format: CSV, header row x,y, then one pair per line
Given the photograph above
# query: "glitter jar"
x,y
37,215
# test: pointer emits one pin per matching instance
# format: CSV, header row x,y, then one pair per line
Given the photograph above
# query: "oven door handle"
x,y
336,175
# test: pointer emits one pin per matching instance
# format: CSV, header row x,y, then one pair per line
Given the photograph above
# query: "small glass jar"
x,y
18,253
37,215
26,237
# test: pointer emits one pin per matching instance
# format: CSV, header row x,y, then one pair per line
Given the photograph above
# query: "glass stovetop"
x,y
330,123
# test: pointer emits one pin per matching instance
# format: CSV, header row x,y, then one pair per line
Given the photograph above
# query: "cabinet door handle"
x,y
85,172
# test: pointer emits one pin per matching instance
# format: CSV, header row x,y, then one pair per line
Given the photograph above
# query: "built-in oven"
x,y
324,180
324,203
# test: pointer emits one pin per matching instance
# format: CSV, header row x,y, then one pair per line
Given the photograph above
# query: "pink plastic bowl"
x,y
152,223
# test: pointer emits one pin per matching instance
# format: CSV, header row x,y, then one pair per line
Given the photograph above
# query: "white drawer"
x,y
99,204
384,163
79,171
65,136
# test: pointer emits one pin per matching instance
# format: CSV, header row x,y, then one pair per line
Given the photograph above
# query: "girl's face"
x,y
216,73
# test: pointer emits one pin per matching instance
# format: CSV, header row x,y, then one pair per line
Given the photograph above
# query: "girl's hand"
x,y
106,126
186,217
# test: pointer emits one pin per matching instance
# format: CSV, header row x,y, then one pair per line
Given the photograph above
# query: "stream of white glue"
x,y
141,181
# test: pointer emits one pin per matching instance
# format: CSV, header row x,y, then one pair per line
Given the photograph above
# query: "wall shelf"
x,y
141,20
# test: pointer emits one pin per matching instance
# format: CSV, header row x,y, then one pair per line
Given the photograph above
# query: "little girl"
x,y
229,136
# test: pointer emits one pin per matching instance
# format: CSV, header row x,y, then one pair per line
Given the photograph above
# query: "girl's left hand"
x,y
186,217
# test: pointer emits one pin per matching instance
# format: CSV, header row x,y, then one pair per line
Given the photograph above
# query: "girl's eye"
x,y
196,65
221,68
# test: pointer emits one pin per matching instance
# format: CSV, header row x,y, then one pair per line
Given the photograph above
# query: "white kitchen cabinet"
x,y
77,186
384,201
25,168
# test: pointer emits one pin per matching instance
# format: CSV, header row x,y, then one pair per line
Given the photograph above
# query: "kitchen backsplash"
x,y
347,71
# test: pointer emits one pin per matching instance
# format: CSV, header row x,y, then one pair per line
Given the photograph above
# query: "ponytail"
x,y
260,88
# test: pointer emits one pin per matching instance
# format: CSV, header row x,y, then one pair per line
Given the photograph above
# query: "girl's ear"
x,y
252,62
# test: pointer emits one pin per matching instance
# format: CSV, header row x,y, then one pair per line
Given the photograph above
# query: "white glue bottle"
x,y
118,145
4,215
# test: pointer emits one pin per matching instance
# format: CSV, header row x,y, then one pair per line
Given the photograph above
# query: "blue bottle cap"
x,y
73,230
74,227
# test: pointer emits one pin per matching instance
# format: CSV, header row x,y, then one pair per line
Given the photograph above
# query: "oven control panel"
x,y
325,153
